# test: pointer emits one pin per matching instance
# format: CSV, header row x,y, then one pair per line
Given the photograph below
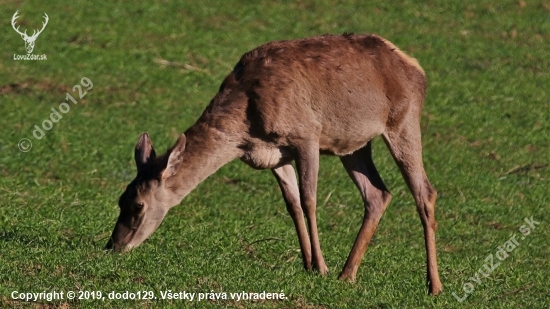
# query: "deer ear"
x,y
144,153
174,160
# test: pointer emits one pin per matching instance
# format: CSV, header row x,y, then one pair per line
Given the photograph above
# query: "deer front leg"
x,y
307,163
289,187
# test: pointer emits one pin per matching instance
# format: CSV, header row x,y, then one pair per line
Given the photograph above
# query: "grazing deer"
x,y
294,100
29,40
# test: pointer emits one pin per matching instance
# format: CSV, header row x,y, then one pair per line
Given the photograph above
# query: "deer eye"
x,y
139,206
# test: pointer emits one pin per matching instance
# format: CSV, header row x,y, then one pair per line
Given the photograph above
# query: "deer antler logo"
x,y
29,40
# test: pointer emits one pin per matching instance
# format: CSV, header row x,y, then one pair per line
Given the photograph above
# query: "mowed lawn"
x,y
155,67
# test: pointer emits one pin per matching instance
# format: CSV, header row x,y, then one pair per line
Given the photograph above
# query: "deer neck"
x,y
207,150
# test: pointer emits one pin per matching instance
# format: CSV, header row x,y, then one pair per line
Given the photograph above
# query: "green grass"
x,y
486,125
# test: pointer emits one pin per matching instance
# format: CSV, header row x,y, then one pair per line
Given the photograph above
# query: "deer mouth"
x,y
122,237
120,245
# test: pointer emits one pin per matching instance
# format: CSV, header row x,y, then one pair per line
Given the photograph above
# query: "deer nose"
x,y
110,244
117,248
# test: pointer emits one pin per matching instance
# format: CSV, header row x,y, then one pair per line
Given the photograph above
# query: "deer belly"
x,y
266,157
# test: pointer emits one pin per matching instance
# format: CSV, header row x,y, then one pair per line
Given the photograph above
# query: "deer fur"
x,y
292,101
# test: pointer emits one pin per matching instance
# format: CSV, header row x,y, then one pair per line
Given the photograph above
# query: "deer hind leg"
x,y
406,148
289,186
307,163
376,198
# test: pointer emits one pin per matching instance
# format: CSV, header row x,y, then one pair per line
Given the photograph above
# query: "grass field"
x,y
155,67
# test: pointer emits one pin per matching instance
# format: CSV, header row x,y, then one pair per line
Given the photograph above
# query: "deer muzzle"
x,y
125,237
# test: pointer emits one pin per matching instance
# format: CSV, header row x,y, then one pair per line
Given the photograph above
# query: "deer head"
x,y
149,196
29,40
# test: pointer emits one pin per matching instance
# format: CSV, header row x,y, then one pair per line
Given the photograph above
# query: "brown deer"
x,y
294,100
